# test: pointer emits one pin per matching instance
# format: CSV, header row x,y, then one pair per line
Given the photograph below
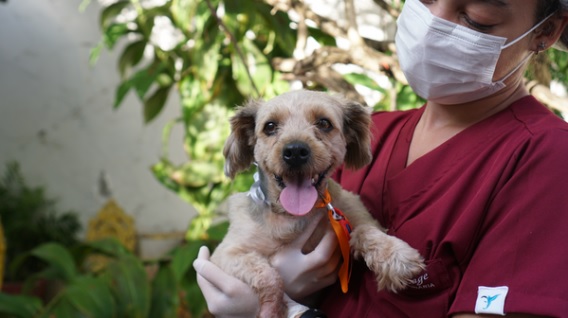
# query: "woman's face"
x,y
505,18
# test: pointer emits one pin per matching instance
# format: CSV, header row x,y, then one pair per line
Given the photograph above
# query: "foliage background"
x,y
215,54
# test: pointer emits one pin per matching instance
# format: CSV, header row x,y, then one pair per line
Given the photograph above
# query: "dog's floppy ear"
x,y
239,147
357,132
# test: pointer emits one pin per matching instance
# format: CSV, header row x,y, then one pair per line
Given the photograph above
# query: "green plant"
x,y
221,53
122,288
30,218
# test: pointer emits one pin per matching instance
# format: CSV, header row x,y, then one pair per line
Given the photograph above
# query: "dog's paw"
x,y
392,260
398,270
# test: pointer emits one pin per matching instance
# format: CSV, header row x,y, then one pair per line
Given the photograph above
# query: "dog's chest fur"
x,y
268,230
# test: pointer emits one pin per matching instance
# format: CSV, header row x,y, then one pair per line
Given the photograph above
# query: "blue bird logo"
x,y
490,299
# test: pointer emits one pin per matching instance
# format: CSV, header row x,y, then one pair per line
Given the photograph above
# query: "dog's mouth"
x,y
300,192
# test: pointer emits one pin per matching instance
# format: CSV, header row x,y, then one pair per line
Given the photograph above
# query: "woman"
x,y
474,180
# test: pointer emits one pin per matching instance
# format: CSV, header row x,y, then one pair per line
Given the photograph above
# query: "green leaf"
x,y
164,79
362,79
91,297
182,258
198,173
107,246
155,103
20,306
195,300
206,54
192,99
58,259
129,283
61,307
32,281
95,53
165,299
407,99
109,13
279,24
84,5
218,231
183,13
113,33
162,172
131,56
192,293
321,37
121,92
143,79
256,64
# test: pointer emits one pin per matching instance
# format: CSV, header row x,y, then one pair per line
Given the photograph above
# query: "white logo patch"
x,y
491,300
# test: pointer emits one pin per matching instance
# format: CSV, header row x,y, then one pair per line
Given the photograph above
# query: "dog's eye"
x,y
270,128
324,124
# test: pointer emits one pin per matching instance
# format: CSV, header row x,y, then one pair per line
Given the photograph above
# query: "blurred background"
x,y
58,122
113,117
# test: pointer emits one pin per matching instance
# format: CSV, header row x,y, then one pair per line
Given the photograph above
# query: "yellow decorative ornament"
x,y
110,221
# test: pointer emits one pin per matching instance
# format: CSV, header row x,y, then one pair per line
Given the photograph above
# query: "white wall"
x,y
57,121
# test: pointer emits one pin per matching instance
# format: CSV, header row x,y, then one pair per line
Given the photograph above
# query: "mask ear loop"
x,y
517,67
529,31
540,47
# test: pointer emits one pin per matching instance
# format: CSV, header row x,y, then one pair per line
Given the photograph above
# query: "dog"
x,y
297,140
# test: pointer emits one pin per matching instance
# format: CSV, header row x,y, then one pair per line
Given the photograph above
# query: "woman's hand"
x,y
306,274
226,296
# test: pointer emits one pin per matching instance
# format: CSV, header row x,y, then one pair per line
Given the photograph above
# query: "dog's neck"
x,y
257,190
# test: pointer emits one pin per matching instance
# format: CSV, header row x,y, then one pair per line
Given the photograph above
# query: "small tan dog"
x,y
297,140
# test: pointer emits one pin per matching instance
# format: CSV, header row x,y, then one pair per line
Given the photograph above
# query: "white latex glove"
x,y
305,274
226,296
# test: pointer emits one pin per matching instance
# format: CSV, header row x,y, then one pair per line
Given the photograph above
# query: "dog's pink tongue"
x,y
299,197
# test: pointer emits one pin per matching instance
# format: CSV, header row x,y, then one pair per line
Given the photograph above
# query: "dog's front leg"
x,y
255,270
393,261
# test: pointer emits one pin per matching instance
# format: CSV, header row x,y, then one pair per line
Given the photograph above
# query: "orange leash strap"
x,y
342,229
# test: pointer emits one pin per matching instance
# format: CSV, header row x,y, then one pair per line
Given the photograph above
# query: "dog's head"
x,y
298,139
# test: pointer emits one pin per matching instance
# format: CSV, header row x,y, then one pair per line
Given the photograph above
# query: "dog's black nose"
x,y
296,153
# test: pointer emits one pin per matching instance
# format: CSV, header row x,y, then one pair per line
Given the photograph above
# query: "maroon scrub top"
x,y
489,207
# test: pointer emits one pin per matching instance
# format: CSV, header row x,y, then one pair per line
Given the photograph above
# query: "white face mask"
x,y
445,62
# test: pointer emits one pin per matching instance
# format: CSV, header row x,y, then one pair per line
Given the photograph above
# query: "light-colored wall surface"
x,y
57,121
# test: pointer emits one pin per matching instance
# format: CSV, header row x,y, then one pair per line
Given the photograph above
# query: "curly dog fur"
x,y
300,138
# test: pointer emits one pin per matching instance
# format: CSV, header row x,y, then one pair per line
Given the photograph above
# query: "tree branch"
x,y
302,38
360,52
326,25
352,28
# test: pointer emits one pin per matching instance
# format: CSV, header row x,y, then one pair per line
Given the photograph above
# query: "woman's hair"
x,y
547,7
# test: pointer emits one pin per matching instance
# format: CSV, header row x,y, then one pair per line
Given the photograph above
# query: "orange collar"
x,y
342,229
325,200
